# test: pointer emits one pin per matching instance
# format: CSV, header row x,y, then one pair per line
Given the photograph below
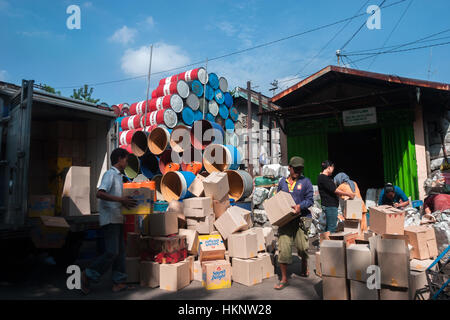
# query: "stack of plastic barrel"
x,y
152,132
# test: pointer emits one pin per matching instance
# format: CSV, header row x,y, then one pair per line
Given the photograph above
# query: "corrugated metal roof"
x,y
239,92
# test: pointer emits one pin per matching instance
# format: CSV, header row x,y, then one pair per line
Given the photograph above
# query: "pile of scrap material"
x,y
346,259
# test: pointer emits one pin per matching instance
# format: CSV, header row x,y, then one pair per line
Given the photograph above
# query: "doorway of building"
x,y
360,155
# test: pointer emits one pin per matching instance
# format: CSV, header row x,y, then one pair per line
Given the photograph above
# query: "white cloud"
x,y
124,35
227,28
150,21
134,62
3,75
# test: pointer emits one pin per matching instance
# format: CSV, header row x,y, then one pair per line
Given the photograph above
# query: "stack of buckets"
x,y
180,132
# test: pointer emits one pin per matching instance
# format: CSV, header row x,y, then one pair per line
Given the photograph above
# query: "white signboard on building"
x,y
359,117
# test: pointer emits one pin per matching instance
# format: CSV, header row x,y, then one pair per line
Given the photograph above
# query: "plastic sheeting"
x,y
275,171
260,195
412,217
442,230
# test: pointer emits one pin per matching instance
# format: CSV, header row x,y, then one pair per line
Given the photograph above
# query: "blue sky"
x,y
113,41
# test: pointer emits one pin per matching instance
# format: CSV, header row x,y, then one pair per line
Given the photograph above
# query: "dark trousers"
x,y
114,256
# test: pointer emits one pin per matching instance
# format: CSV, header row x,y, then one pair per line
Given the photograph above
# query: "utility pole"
x,y
249,127
261,136
148,87
338,55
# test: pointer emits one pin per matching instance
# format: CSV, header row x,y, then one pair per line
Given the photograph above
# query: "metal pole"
x,y
204,90
249,128
148,86
261,135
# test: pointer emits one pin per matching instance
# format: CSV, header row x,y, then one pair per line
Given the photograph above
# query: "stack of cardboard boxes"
x,y
189,241
348,262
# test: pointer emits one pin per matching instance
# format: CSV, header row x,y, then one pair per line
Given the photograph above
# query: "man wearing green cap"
x,y
296,231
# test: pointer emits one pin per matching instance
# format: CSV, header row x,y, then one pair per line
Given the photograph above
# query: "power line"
x,y
239,51
359,29
332,39
393,30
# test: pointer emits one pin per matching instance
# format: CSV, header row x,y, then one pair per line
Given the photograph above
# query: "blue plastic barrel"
x,y
197,88
228,99
219,97
198,115
119,120
175,184
234,114
210,117
229,125
223,111
235,157
188,116
213,81
149,165
209,93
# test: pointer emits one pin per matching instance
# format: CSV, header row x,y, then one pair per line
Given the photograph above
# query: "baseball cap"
x,y
297,162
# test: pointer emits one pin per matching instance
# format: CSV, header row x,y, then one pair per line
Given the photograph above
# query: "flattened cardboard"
x,y
247,271
76,192
334,288
174,277
423,240
332,258
420,265
149,274
279,209
191,239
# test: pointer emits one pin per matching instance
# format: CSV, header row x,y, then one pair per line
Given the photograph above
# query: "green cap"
x,y
297,162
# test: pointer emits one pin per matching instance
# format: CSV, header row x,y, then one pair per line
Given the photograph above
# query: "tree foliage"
x,y
50,89
85,94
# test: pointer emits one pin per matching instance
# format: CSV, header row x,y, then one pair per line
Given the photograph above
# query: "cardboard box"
x,y
334,288
421,265
279,209
261,242
359,291
353,209
201,225
393,293
191,239
216,185
359,257
318,266
230,222
41,205
49,232
332,258
418,281
190,260
174,277
133,247
353,226
76,192
268,269
143,196
387,220
423,240
149,274
198,271
393,260
162,224
216,275
198,207
133,269
220,206
196,187
157,245
178,207
243,245
211,247
244,213
247,271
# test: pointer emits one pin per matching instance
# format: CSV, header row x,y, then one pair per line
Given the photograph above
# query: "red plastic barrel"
x,y
173,101
179,87
167,80
125,136
126,147
169,161
199,74
138,107
132,122
167,117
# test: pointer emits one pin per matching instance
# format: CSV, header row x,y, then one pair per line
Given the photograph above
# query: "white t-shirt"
x,y
112,183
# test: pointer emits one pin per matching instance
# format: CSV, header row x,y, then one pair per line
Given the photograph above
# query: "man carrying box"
x,y
111,221
296,231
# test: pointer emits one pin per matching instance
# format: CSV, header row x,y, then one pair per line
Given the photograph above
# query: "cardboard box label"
x,y
211,248
217,275
143,196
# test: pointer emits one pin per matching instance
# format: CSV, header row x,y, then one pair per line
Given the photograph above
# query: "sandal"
x,y
124,288
281,285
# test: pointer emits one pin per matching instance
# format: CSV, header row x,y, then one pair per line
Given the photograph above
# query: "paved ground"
x,y
39,280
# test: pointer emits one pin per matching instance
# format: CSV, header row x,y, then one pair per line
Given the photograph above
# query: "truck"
x,y
37,130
